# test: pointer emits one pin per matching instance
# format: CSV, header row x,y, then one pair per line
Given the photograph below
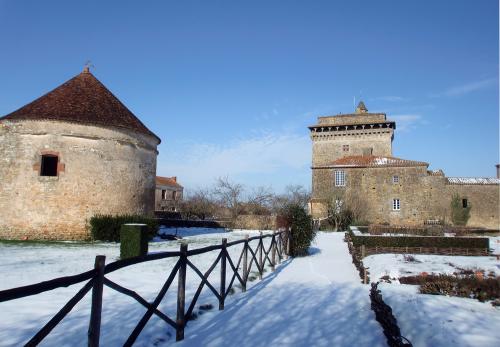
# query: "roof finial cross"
x,y
86,67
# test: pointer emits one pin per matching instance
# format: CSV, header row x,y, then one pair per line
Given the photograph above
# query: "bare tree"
x,y
343,208
259,201
200,204
229,195
293,195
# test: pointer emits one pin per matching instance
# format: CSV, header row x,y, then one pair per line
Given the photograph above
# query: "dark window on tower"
x,y
164,194
345,148
49,165
464,203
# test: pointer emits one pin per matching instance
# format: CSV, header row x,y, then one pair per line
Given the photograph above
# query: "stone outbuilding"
x,y
168,194
352,161
75,152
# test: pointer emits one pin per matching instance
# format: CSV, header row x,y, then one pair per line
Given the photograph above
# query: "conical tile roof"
x,y
83,99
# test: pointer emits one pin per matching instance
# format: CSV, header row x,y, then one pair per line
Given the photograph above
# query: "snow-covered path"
x,y
312,301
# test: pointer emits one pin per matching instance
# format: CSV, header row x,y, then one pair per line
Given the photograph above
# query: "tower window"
x,y
396,205
49,165
395,179
164,194
345,148
339,178
464,203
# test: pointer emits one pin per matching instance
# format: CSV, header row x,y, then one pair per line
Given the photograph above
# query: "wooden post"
x,y
181,293
95,312
273,251
288,242
261,264
364,275
245,265
363,251
222,274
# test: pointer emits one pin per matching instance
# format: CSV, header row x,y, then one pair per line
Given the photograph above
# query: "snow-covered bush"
x,y
302,232
107,227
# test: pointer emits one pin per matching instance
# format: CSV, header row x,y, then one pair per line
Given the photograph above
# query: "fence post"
x,y
245,264
261,264
364,275
273,251
363,251
223,274
181,294
288,242
96,309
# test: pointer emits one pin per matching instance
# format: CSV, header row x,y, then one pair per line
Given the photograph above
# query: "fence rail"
x,y
277,250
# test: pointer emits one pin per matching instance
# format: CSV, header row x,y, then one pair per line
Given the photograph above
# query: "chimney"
x,y
498,170
175,179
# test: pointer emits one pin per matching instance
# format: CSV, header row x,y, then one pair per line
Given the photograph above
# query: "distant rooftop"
x,y
167,181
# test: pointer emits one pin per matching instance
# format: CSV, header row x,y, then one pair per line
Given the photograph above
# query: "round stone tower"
x,y
73,153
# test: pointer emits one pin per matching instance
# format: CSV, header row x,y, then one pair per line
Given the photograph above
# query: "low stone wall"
x,y
255,222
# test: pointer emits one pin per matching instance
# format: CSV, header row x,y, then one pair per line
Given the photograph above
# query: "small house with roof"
x,y
75,152
168,194
352,159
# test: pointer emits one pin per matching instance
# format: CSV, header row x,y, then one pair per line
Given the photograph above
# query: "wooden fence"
x,y
278,249
365,251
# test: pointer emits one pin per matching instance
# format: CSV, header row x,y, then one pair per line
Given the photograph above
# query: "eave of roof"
x,y
371,162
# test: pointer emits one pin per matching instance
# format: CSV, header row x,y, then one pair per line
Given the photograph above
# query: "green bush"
x,y
107,227
420,241
302,231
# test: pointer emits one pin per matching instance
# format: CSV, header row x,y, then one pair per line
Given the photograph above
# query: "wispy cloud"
x,y
389,98
467,88
407,122
201,163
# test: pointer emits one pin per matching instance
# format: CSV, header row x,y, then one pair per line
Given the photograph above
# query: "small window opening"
x,y
396,205
163,194
49,165
345,148
395,179
464,203
174,195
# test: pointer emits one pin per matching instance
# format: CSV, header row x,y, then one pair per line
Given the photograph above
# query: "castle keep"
x,y
73,153
352,159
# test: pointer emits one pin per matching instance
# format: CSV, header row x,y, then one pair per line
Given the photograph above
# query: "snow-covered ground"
x,y
311,301
315,300
437,320
395,265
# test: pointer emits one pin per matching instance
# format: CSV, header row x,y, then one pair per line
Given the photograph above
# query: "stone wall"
x,y
102,171
255,222
422,196
328,146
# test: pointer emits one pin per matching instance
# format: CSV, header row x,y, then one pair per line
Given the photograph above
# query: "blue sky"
x,y
231,86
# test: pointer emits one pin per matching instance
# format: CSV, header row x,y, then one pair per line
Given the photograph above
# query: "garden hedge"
x,y
419,241
107,227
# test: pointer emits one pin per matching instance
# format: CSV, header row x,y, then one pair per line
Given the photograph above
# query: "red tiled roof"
x,y
82,99
375,161
167,181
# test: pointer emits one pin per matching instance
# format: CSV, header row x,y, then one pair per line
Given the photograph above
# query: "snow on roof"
x,y
473,180
374,161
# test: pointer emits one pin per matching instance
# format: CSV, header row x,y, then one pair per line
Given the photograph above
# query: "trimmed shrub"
x,y
420,241
107,227
133,240
302,231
